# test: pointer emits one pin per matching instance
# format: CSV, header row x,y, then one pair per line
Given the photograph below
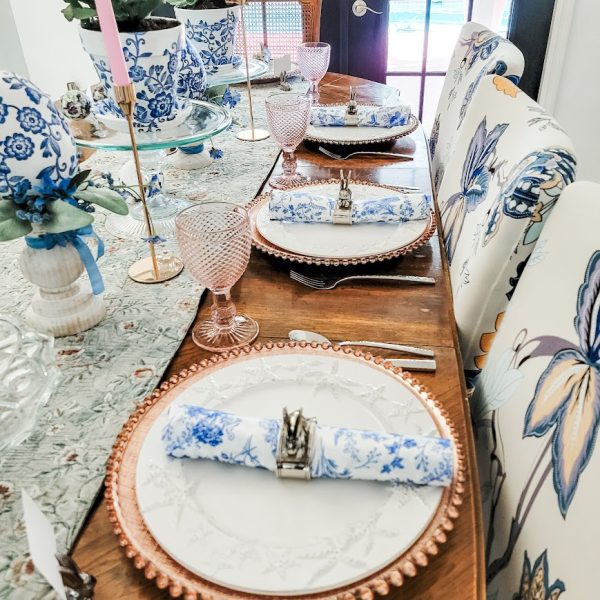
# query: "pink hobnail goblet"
x,y
313,60
288,117
214,239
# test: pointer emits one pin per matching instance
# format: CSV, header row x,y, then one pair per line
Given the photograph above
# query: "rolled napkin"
x,y
304,207
197,432
368,116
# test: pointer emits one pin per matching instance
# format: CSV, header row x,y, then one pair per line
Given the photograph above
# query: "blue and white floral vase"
x,y
34,138
192,82
153,58
212,31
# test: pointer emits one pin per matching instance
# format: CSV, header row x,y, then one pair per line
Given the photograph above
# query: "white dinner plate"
x,y
340,241
243,528
359,135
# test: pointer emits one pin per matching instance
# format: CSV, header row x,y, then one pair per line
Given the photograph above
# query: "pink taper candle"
x,y
112,42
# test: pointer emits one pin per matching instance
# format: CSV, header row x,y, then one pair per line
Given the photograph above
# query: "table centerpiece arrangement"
x,y
45,199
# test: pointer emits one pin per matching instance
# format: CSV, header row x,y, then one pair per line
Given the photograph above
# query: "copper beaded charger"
x,y
351,244
257,374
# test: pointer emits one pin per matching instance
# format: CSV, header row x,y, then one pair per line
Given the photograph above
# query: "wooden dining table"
x,y
411,314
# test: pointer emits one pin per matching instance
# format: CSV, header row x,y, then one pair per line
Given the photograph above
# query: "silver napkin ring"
x,y
295,446
342,213
351,116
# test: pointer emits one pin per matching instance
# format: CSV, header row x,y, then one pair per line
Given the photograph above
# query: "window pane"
x,y
405,35
493,14
433,89
410,89
447,19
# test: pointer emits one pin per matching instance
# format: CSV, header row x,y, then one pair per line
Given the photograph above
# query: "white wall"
x,y
571,81
47,47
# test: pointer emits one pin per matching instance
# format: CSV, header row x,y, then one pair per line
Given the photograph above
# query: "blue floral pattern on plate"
x,y
197,432
34,138
368,116
304,207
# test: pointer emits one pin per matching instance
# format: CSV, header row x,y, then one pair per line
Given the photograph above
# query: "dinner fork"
x,y
364,152
328,283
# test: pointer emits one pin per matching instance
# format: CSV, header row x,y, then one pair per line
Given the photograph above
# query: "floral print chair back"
x,y
510,163
536,410
478,52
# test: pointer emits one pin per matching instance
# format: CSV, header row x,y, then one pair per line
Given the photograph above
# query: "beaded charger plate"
x,y
334,245
359,135
210,530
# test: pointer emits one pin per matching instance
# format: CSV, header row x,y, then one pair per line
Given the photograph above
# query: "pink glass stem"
x,y
289,164
313,92
223,309
112,42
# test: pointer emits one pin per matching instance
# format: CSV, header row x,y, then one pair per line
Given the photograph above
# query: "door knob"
x,y
360,8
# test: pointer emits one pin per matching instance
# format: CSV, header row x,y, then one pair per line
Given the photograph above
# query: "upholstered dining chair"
x,y
536,410
282,25
478,52
511,160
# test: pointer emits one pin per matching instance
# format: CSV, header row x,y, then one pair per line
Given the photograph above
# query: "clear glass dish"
x,y
28,376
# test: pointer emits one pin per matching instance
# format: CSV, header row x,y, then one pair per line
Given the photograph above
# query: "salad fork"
x,y
328,283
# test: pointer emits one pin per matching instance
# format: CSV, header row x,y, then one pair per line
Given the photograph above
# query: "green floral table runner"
x,y
107,370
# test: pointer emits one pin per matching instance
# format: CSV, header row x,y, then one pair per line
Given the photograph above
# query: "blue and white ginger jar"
x,y
34,138
153,59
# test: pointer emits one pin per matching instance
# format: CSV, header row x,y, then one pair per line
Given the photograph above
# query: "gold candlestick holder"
x,y
154,268
253,134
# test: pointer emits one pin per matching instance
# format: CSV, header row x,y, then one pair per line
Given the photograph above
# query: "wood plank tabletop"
x,y
409,314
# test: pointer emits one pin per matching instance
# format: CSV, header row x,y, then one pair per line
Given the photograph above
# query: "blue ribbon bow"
x,y
49,240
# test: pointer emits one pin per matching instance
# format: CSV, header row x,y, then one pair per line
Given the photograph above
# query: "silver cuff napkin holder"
x,y
342,213
295,446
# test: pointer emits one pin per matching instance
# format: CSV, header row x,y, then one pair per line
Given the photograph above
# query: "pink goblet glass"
x,y
313,60
288,117
214,239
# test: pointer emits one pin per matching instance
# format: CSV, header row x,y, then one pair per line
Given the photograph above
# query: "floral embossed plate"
x,y
360,135
339,242
204,528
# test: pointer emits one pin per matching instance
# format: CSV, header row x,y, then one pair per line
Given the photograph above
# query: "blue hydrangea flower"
x,y
30,119
215,153
18,146
231,97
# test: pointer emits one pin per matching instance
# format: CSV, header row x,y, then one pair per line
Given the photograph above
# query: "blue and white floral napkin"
x,y
304,207
368,116
197,432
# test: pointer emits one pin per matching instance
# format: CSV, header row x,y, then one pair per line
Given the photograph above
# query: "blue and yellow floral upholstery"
x,y
536,411
510,163
478,52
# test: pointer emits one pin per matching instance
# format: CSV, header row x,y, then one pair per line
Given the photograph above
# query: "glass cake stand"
x,y
204,121
257,68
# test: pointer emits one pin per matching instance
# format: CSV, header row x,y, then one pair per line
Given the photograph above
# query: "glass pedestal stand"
x,y
204,121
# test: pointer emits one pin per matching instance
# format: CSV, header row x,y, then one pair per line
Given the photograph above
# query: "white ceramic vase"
x,y
153,59
61,305
212,32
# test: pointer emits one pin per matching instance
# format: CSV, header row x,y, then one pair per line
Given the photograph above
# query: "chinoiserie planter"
x,y
61,305
153,59
35,139
192,81
213,32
